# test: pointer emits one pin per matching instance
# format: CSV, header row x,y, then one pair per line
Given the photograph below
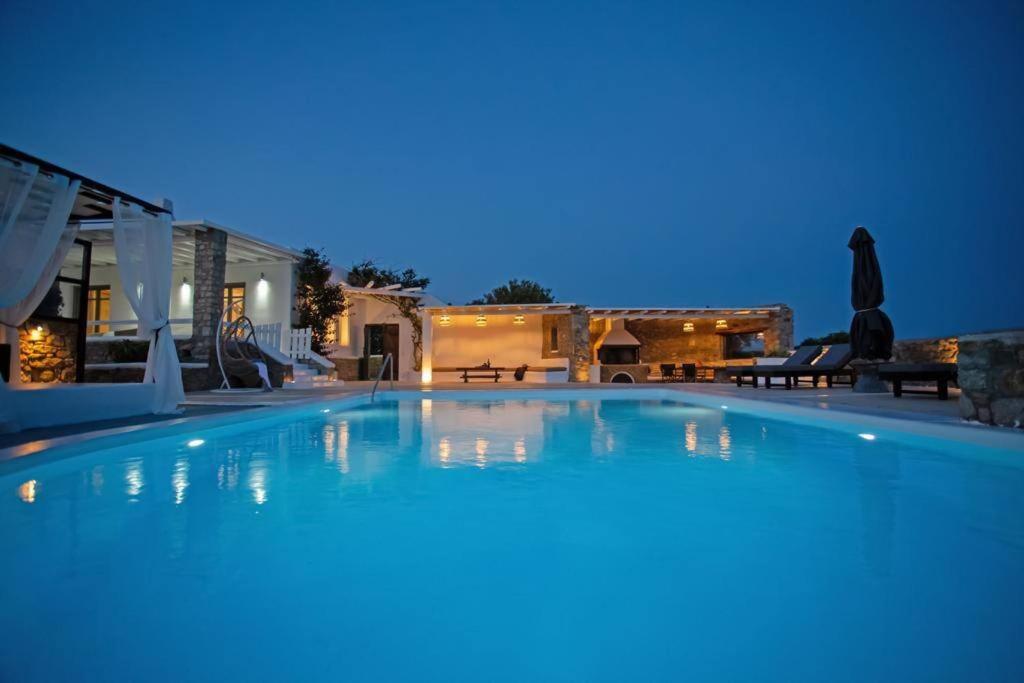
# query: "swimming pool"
x,y
506,539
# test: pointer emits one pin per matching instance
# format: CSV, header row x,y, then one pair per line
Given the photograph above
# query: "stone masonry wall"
x,y
663,341
937,350
48,355
779,333
563,323
991,377
579,346
208,298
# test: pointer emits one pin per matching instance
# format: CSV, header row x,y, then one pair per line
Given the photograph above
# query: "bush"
x,y
841,337
129,351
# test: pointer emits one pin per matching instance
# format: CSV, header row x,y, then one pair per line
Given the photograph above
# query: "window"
x,y
99,308
233,293
554,338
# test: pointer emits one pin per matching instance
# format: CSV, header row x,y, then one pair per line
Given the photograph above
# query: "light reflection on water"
x,y
511,499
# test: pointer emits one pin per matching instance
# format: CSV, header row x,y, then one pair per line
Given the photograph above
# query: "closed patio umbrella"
x,y
871,332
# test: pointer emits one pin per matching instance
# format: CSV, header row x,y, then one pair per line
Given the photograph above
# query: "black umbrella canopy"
x,y
871,332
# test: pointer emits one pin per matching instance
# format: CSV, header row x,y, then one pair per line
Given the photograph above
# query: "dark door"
x,y
391,345
378,342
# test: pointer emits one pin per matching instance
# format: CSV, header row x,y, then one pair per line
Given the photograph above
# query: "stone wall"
x,y
208,298
194,379
934,350
991,377
579,345
664,341
562,322
50,354
347,369
639,373
779,333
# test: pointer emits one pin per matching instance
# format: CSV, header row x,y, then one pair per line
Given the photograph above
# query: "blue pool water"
x,y
515,541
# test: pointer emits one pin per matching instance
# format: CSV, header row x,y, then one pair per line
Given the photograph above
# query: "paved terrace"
x,y
913,407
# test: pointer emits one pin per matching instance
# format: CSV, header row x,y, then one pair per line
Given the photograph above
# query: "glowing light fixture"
x,y
867,437
760,335
326,410
721,324
725,407
519,320
262,285
687,327
481,320
37,333
185,292
195,443
445,320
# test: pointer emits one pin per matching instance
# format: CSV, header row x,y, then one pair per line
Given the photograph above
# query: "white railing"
x,y
269,336
300,343
110,325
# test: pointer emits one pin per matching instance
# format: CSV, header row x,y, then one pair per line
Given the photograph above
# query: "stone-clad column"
x,y
779,333
208,298
579,353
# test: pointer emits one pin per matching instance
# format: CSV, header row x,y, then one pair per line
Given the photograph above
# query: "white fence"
x,y
300,344
269,336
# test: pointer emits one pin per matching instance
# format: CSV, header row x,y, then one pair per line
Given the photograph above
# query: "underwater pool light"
x,y
867,437
196,443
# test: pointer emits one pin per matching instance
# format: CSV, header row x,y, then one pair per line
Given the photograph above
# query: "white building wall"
x,y
465,344
365,310
264,304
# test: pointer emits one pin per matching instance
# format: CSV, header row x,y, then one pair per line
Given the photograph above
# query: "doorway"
x,y
378,342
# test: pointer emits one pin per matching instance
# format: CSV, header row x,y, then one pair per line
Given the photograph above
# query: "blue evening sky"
x,y
640,154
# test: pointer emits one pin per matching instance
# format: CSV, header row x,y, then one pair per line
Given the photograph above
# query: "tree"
x,y
516,292
318,300
367,272
840,337
362,274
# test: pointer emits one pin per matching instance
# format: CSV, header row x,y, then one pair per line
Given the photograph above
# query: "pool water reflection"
x,y
514,540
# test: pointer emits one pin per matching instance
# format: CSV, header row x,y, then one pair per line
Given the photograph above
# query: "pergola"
x,y
43,207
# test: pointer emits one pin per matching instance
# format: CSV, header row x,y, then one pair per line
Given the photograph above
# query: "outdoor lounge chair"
x,y
832,364
689,372
940,373
668,372
802,356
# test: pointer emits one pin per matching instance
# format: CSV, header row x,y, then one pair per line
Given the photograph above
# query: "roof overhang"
x,y
502,309
759,312
242,249
94,200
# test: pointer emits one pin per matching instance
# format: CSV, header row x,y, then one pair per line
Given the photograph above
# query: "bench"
x,y
898,373
480,373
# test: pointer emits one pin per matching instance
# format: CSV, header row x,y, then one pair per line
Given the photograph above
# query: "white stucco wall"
x,y
363,311
268,305
505,344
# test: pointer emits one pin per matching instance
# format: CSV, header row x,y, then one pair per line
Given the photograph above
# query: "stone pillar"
x,y
779,333
579,352
208,298
991,377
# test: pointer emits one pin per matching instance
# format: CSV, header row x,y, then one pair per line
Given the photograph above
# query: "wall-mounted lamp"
x,y
185,292
721,324
519,320
481,321
444,320
262,285
687,327
760,335
36,333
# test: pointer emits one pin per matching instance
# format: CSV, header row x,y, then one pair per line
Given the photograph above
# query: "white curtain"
x,y
34,240
143,245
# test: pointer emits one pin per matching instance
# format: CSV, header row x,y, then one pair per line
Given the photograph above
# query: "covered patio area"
x,y
44,284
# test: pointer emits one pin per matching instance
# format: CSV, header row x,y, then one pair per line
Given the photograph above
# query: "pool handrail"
x,y
388,361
